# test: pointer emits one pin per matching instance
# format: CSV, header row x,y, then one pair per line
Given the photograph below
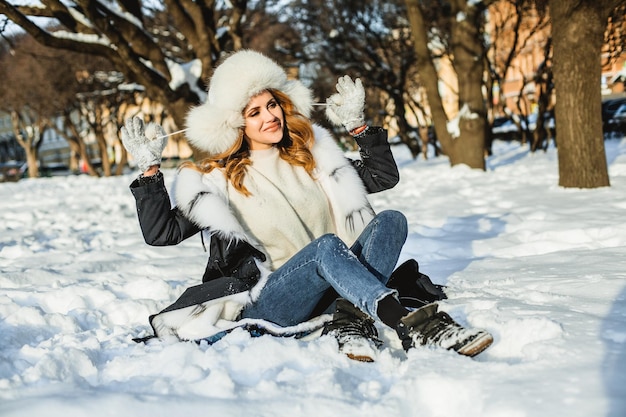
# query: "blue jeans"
x,y
358,273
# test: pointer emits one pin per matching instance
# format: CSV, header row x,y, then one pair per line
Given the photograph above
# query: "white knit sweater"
x,y
287,208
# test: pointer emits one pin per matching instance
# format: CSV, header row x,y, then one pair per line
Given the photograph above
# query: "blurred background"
x,y
446,78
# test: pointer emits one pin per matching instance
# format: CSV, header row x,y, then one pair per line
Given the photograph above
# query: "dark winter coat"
x,y
235,265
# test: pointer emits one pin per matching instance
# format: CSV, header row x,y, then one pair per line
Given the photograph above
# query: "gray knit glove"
x,y
346,106
145,144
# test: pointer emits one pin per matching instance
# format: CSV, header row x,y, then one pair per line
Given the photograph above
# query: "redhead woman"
x,y
286,216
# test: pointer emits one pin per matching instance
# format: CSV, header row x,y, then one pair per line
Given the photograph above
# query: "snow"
x,y
189,73
453,125
541,267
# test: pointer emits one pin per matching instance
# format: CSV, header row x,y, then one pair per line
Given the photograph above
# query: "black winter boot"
x,y
427,327
415,289
355,332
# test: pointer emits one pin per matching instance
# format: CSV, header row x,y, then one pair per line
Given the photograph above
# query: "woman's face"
x,y
264,120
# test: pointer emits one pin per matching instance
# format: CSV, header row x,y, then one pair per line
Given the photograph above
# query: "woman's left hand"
x,y
346,106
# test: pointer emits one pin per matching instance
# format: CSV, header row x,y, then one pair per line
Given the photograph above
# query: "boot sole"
x,y
477,345
360,352
360,358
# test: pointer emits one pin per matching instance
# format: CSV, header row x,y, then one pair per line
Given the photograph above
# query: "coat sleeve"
x,y
377,167
160,224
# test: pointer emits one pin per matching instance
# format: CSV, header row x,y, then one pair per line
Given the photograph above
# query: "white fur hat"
x,y
214,126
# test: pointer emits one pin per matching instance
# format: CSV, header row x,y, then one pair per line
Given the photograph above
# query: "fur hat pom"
x,y
214,126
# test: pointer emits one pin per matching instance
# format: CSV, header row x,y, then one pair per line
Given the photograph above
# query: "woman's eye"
x,y
272,104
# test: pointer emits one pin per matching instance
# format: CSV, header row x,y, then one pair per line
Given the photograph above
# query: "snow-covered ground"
x,y
541,267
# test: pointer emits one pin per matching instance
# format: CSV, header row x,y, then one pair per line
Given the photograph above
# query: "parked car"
x,y
610,121
12,170
617,121
504,128
610,106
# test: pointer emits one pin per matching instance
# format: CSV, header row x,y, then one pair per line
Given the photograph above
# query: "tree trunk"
x,y
544,84
77,144
578,34
467,49
103,148
423,134
119,170
404,128
31,161
469,147
87,165
30,143
428,74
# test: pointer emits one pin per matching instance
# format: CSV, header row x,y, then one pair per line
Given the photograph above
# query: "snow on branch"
x,y
83,38
189,72
114,9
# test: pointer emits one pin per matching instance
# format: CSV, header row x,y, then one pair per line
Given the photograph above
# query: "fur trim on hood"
x,y
214,126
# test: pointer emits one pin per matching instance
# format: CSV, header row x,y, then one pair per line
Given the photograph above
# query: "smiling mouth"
x,y
273,127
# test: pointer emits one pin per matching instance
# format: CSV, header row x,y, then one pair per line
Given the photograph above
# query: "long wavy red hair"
x,y
294,147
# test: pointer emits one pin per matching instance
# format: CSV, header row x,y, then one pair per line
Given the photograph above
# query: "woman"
x,y
286,215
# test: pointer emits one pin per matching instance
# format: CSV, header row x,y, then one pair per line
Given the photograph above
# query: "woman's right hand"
x,y
152,170
145,144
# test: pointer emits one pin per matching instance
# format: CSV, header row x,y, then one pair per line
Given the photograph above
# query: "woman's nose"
x,y
268,115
